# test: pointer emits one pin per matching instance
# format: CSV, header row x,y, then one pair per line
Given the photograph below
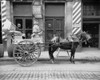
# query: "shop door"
x,y
24,24
54,25
93,30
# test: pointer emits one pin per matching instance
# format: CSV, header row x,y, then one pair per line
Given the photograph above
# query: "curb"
x,y
92,54
56,59
7,59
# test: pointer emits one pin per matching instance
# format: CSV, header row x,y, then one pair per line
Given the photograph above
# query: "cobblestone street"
x,y
86,67
47,71
49,75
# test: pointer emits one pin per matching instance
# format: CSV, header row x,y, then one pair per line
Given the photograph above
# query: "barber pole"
x,y
3,17
77,18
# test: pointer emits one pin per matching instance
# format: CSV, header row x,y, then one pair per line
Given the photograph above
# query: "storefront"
x,y
91,22
56,17
0,26
22,13
1,43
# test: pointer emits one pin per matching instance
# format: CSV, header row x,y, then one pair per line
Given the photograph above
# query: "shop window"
x,y
28,28
24,25
19,24
93,30
91,9
28,23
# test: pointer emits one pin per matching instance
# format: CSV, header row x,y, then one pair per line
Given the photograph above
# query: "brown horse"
x,y
67,44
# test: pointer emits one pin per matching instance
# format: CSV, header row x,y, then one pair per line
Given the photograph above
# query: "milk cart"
x,y
25,51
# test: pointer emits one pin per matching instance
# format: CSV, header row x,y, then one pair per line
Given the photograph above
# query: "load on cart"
x,y
25,51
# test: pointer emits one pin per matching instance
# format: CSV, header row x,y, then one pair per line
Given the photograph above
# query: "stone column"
x,y
39,19
8,17
68,18
73,17
5,43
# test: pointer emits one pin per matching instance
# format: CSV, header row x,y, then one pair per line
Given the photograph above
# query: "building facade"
x,y
0,33
56,16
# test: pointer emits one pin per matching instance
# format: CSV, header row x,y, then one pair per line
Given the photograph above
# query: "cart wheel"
x,y
26,53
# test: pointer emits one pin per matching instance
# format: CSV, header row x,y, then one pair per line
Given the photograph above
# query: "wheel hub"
x,y
25,53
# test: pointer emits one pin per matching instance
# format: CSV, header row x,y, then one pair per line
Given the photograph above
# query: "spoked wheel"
x,y
26,53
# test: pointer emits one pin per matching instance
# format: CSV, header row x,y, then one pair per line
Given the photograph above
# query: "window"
x,y
91,9
24,25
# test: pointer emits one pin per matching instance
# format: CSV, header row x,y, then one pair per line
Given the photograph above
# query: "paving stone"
x,y
50,75
87,67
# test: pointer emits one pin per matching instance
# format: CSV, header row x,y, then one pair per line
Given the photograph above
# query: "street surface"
x,y
86,67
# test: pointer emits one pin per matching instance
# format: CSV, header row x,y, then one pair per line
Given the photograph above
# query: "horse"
x,y
67,44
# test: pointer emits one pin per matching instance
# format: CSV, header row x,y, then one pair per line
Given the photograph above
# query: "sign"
x,y
37,11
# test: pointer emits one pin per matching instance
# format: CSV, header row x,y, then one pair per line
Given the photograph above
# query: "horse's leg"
x,y
72,55
58,52
50,52
52,49
67,52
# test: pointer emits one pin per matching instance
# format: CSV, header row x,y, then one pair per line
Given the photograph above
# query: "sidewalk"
x,y
84,54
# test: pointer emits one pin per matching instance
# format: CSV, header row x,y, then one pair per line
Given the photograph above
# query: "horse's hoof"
x,y
70,60
74,62
52,61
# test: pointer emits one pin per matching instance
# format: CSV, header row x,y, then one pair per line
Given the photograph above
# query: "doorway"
x,y
25,25
54,20
54,25
93,30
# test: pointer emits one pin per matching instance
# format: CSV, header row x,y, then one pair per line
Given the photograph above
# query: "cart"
x,y
25,52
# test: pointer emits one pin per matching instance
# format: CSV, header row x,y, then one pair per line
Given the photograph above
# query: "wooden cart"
x,y
25,51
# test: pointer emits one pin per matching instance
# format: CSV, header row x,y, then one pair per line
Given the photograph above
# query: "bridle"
x,y
84,37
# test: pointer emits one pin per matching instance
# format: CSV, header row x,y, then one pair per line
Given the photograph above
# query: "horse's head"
x,y
84,36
